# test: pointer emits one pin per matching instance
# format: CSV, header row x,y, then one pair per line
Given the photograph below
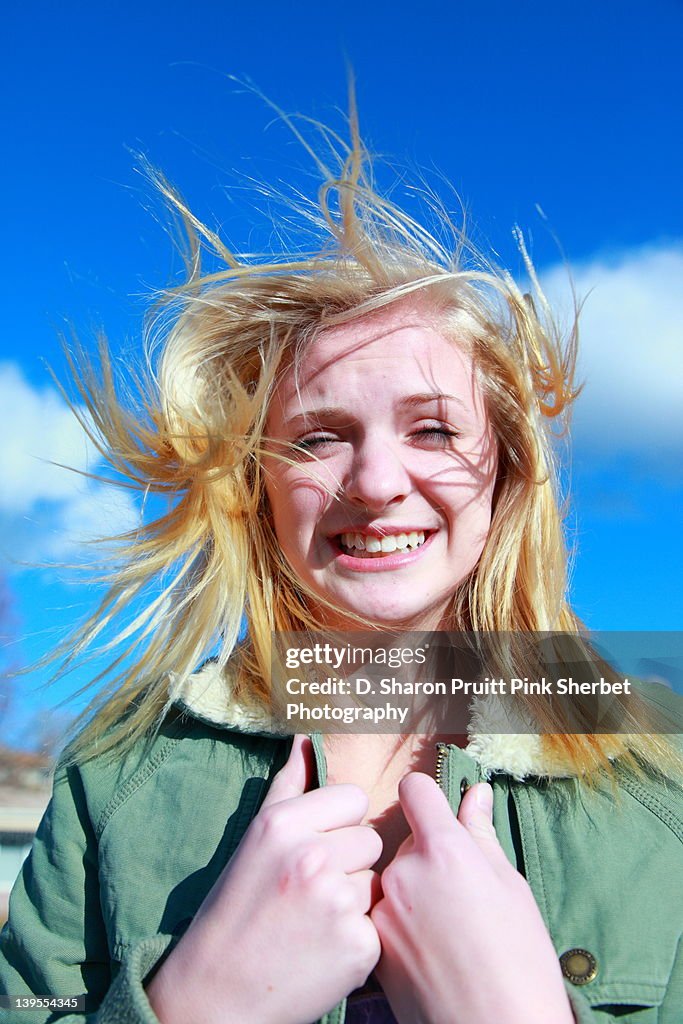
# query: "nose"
x,y
377,476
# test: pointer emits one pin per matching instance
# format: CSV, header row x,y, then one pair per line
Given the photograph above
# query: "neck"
x,y
415,750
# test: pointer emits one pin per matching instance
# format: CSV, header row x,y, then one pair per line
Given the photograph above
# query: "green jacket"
x,y
126,853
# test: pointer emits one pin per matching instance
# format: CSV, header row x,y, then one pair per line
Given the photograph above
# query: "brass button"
x,y
579,966
464,786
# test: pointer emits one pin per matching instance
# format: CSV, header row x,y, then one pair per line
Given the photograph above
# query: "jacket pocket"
x,y
620,980
625,1002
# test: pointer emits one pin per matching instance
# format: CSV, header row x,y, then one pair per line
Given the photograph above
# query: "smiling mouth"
x,y
360,545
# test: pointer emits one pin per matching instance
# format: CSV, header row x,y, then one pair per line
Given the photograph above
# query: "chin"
x,y
381,618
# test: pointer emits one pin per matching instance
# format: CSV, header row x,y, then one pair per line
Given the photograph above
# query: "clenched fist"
x,y
456,921
284,934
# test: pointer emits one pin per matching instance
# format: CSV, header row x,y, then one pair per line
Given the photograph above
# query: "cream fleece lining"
x,y
208,695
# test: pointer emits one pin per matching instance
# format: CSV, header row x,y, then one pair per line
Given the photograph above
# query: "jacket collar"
x,y
492,743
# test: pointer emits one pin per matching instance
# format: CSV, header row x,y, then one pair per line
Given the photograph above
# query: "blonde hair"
x,y
195,433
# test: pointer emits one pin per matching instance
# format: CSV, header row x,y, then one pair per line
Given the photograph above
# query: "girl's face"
x,y
387,505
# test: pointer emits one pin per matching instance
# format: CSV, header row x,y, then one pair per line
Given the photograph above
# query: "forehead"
x,y
391,353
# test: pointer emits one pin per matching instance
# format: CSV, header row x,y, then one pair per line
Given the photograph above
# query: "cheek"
x,y
298,500
469,488
462,491
466,503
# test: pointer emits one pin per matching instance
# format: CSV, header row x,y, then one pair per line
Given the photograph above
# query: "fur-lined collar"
x,y
207,695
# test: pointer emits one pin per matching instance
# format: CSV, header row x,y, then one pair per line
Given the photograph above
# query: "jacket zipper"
x,y
440,771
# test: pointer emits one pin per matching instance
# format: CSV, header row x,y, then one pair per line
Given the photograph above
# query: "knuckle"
x,y
271,824
301,872
393,885
309,860
364,949
342,900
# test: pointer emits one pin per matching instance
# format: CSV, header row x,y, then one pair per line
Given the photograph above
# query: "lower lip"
x,y
394,560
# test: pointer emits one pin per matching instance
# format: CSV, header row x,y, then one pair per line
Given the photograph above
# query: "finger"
x,y
476,814
354,848
295,776
374,948
324,809
368,886
425,806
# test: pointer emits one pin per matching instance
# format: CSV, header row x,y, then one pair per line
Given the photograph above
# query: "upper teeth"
x,y
391,543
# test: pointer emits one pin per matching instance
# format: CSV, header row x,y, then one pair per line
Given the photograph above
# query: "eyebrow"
x,y
430,396
409,402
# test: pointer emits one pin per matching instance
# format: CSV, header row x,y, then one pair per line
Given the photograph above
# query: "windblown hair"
x,y
196,434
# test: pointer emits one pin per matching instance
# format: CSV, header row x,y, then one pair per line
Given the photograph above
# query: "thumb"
x,y
295,776
424,806
476,814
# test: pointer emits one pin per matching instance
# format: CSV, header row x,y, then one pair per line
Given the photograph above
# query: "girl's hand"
x,y
462,937
284,934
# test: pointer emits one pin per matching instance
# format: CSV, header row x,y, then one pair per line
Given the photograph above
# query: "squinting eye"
x,y
439,437
314,441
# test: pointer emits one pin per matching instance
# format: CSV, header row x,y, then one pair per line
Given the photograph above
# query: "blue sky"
x,y
570,108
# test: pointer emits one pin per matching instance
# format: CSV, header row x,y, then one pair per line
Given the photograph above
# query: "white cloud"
x,y
631,355
38,428
47,511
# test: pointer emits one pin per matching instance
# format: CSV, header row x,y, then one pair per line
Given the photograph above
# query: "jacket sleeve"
x,y
55,941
